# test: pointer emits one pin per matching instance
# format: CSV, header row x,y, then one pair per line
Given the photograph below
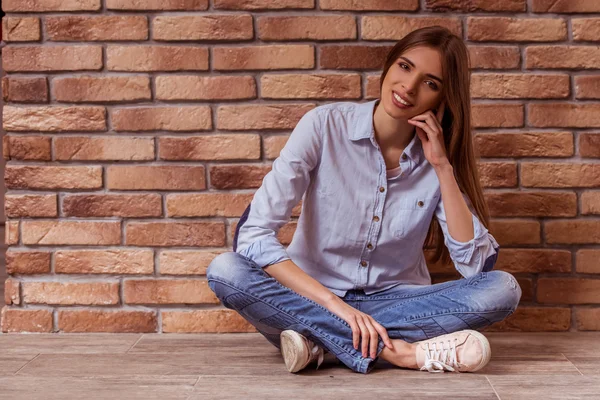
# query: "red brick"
x,y
516,232
213,147
24,89
67,232
17,29
27,262
532,204
169,233
263,4
494,57
152,291
30,205
261,116
540,174
505,29
305,86
11,232
97,28
11,292
553,6
561,56
516,86
101,88
157,5
389,27
181,118
587,319
528,144
20,320
43,6
497,174
355,57
590,203
587,86
208,204
270,57
112,205
369,5
52,177
238,176
27,148
186,262
54,118
586,29
589,145
155,177
568,290
71,293
205,321
534,260
156,58
103,148
535,319
272,145
309,27
583,231
197,27
498,115
109,261
188,87
588,261
52,58
564,115
107,321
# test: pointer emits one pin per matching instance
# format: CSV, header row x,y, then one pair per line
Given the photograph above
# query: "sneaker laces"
x,y
318,353
436,360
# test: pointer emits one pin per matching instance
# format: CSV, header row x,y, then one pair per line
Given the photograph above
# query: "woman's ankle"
x,y
403,355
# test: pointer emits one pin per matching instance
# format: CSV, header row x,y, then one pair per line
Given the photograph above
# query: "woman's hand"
x,y
363,325
428,127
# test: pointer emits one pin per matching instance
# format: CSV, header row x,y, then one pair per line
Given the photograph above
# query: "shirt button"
x,y
420,203
363,263
382,189
376,218
369,246
404,156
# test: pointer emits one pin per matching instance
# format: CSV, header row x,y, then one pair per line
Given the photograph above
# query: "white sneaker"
x,y
298,351
462,351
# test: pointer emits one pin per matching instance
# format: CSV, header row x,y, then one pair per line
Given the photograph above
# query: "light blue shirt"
x,y
359,228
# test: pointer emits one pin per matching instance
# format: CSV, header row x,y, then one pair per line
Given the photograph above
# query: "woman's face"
x,y
415,76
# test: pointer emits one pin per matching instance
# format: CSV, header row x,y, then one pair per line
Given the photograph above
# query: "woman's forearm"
x,y
458,216
290,275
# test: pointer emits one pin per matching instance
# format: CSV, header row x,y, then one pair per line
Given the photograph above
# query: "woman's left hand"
x,y
428,127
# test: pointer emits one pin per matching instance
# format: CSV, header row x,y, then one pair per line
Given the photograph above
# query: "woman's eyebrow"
x,y
413,65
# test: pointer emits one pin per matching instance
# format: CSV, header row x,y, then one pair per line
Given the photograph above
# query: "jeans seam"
x,y
305,323
456,312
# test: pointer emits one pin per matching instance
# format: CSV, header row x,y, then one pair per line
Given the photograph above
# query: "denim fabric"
x,y
408,312
356,221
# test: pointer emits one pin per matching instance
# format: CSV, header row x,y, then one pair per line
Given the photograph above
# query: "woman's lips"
x,y
398,104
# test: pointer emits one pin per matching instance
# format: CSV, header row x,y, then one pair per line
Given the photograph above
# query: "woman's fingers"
x,y
355,332
364,333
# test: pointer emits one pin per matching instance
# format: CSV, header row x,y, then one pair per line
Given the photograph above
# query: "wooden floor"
x,y
246,366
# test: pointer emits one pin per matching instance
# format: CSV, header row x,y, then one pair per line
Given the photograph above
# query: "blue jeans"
x,y
408,312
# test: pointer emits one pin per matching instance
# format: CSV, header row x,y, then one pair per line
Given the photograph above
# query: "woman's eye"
x,y
402,65
433,85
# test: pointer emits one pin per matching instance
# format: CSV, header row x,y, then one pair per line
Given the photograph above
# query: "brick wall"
x,y
138,131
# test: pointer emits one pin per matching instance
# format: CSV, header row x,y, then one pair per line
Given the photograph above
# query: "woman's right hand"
x,y
363,325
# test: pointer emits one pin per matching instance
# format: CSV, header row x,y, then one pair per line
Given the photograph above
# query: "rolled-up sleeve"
x,y
280,191
476,255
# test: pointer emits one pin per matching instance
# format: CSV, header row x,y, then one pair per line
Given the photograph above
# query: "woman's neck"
x,y
391,133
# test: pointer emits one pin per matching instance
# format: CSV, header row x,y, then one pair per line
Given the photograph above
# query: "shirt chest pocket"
x,y
414,216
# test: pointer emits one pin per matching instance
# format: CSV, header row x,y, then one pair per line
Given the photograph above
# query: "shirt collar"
x,y
363,128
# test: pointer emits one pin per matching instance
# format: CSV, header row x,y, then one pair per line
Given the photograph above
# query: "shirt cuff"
x,y
265,252
463,251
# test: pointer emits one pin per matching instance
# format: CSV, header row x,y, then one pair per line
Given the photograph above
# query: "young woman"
x,y
378,180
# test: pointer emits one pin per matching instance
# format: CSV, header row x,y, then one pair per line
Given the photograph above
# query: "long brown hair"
x,y
456,123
